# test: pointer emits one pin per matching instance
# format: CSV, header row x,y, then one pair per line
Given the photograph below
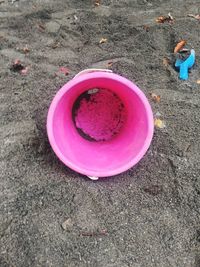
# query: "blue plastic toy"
x,y
185,65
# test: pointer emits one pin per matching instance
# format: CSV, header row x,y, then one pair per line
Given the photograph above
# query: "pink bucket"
x,y
100,124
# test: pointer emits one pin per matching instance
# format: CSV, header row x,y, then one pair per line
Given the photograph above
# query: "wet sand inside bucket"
x,y
99,114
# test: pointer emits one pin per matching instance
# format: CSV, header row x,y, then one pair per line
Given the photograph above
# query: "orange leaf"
x,y
179,46
163,19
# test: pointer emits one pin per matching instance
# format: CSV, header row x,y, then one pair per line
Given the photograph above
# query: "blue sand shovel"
x,y
184,66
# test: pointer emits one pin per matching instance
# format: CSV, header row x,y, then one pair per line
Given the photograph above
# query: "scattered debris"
x,y
146,28
67,224
166,61
97,2
179,46
26,49
75,17
103,232
170,16
198,81
41,27
158,114
56,45
24,71
91,92
92,234
187,148
156,98
194,16
103,40
64,70
18,67
159,123
163,19
109,64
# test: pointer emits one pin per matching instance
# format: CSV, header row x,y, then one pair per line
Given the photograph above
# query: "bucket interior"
x,y
100,125
99,114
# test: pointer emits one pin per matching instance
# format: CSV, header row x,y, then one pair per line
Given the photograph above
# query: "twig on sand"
x,y
93,234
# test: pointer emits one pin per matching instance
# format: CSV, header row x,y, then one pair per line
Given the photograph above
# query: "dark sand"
x,y
148,216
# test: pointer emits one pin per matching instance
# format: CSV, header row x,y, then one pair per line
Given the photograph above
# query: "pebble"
x,y
67,224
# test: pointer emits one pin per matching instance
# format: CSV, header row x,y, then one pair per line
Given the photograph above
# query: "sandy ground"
x,y
148,216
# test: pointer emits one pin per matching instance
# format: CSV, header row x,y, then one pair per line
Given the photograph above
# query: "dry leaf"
x,y
165,61
155,98
103,40
194,16
159,123
17,62
97,2
64,70
198,81
26,49
110,63
17,66
179,46
163,19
